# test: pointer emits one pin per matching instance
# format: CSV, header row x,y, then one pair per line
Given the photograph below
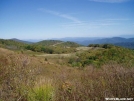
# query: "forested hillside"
x,y
46,46
68,44
48,42
11,44
22,41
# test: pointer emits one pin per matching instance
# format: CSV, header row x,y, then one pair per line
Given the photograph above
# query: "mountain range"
x,y
112,40
119,41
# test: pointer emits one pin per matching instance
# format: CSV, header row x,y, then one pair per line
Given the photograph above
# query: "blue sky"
x,y
44,19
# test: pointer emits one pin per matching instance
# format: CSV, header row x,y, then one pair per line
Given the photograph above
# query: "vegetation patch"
x,y
41,93
104,54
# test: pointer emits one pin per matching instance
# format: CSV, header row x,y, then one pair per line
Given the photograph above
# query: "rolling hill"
x,y
22,41
68,44
48,42
102,54
12,44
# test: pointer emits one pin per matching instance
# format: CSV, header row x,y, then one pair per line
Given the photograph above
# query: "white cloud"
x,y
119,19
60,15
109,22
110,1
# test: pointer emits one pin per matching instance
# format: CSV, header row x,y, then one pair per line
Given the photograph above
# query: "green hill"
x,y
48,42
68,44
53,47
22,41
12,44
103,54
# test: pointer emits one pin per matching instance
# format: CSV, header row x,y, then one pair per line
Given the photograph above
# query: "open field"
x,y
83,48
58,55
79,50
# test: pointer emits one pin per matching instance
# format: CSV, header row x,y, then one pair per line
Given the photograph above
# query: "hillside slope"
x,y
48,42
11,44
68,44
103,54
22,41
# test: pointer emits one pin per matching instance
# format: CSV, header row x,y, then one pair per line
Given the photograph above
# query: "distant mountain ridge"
x,y
126,44
108,41
119,41
22,41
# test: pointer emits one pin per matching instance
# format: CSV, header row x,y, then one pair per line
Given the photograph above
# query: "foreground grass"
x,y
111,81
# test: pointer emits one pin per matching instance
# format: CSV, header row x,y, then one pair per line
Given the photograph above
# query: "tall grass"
x,y
17,76
89,84
97,84
43,91
15,82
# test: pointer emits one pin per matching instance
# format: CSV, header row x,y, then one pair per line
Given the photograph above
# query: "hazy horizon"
x,y
47,19
68,38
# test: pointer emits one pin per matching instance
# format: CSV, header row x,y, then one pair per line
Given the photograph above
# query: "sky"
x,y
44,19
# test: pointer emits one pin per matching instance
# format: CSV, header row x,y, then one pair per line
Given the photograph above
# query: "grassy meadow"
x,y
83,74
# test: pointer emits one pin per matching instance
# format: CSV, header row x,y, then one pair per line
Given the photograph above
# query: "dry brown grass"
x,y
112,81
17,74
